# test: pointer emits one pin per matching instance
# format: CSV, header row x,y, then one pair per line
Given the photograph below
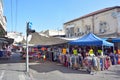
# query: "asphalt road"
x,y
14,69
55,71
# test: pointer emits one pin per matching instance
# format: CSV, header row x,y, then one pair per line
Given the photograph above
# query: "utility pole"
x,y
27,56
58,32
28,31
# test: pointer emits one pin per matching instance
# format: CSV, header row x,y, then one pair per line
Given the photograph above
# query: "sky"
x,y
49,14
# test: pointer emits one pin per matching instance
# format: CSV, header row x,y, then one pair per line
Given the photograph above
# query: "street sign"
x,y
30,25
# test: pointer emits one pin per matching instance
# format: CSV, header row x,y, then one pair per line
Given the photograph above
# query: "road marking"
x,y
2,74
22,77
32,78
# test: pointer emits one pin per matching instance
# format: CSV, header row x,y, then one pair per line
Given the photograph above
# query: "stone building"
x,y
105,23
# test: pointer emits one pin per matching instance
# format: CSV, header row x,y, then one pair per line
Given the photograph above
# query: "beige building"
x,y
105,23
2,21
2,26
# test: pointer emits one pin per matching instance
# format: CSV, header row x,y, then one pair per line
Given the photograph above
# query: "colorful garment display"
x,y
75,52
90,63
64,50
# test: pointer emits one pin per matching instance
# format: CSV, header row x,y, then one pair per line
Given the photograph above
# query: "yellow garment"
x,y
75,52
99,51
32,49
91,52
64,51
115,51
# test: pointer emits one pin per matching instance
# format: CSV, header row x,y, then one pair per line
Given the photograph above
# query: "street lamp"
x,y
28,31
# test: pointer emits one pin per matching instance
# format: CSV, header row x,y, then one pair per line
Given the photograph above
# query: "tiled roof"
x,y
94,13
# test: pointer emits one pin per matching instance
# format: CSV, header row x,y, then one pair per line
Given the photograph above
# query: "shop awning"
x,y
116,40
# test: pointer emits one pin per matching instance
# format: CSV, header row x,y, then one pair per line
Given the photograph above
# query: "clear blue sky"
x,y
49,14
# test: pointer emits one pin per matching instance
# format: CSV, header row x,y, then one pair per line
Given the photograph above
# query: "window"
x,y
78,30
103,27
88,29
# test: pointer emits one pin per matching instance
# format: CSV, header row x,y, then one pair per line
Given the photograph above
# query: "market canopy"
x,y
40,39
116,40
90,40
6,40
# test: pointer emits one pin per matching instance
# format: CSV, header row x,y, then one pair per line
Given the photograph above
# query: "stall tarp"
x,y
38,39
90,40
6,40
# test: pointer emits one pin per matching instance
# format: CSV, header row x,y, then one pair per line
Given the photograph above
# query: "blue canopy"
x,y
90,40
116,40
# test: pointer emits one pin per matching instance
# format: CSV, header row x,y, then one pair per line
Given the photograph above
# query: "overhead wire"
x,y
11,15
16,15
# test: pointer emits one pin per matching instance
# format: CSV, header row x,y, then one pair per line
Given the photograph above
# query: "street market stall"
x,y
90,39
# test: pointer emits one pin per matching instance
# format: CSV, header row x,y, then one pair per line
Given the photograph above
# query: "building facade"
x,y
18,37
54,33
2,21
105,23
3,32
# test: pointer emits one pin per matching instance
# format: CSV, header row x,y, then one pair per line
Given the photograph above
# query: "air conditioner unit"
x,y
114,14
80,33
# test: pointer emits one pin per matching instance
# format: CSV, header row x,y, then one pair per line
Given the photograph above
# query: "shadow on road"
x,y
53,66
